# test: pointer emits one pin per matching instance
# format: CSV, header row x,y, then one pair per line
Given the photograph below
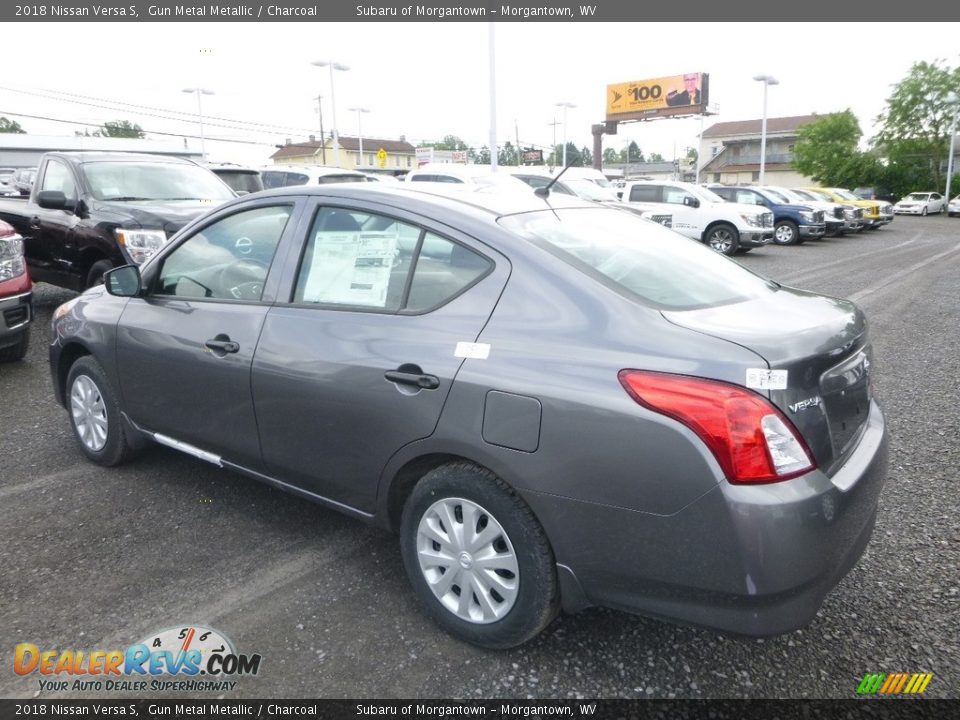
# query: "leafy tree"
x,y
825,146
692,154
10,126
610,156
634,154
916,121
656,157
449,142
120,129
507,154
483,157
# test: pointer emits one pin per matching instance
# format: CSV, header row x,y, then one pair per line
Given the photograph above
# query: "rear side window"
x,y
435,178
296,179
325,179
641,260
645,193
365,260
273,179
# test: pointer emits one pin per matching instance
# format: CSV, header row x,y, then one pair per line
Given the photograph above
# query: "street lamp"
x,y
359,111
565,105
333,102
200,92
952,99
767,80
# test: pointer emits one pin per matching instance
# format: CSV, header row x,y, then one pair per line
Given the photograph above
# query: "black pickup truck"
x,y
89,212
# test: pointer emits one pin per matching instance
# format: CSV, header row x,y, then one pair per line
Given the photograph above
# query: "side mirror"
x,y
54,200
690,201
123,281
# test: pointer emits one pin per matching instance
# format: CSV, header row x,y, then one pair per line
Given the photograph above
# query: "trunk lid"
x,y
822,344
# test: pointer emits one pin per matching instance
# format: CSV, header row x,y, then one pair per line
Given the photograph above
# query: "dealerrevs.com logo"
x,y
894,683
170,660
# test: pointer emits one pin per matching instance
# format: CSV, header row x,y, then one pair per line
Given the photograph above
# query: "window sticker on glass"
x,y
351,268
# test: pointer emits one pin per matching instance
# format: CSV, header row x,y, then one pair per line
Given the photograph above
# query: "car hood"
x,y
170,215
820,341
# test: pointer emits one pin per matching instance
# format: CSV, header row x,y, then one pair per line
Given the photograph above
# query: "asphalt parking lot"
x,y
98,559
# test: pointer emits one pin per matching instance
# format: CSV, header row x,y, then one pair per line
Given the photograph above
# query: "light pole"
x,y
323,140
565,105
767,80
359,111
200,92
553,148
955,101
333,101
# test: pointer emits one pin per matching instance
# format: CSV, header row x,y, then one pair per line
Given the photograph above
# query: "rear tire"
x,y
464,530
17,351
723,238
95,414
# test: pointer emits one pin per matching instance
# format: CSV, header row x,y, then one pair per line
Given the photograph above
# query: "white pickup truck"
x,y
702,215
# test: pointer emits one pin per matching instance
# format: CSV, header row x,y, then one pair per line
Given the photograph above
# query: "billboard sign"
x,y
685,94
533,156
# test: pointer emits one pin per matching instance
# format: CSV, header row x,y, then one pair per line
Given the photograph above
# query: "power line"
x,y
261,127
151,132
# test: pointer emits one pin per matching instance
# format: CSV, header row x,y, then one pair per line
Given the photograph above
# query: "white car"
x,y
275,176
921,203
954,207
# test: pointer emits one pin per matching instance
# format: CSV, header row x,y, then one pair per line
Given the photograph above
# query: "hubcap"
x,y
89,413
784,234
721,240
467,560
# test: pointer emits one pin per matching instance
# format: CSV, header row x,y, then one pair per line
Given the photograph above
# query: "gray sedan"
x,y
555,404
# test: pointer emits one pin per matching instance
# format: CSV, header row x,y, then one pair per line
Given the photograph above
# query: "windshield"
x,y
640,259
797,196
779,195
588,190
153,181
705,194
845,194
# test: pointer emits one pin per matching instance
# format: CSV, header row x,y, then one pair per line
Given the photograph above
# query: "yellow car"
x,y
876,213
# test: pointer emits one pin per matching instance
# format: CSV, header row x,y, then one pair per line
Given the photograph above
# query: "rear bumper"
x,y
750,560
16,313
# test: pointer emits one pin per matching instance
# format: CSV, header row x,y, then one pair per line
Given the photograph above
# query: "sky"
x,y
428,80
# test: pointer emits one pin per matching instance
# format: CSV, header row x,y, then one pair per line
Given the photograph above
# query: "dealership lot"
x,y
100,559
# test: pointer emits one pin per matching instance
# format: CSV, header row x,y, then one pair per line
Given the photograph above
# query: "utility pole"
x,y
323,139
553,148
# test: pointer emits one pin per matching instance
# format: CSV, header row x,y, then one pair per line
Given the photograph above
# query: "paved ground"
x,y
99,559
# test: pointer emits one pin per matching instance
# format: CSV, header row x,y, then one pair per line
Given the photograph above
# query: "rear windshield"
x,y
645,261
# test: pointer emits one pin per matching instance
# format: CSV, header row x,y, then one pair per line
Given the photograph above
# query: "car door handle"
x,y
425,382
224,346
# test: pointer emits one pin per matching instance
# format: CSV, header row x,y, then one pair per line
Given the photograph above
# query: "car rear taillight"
x,y
752,441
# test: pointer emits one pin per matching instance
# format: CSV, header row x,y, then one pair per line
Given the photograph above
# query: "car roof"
x,y
96,156
316,170
490,201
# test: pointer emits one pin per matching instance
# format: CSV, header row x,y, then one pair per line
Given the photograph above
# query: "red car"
x,y
16,296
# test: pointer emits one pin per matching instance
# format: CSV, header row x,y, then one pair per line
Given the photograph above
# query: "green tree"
x,y
827,149
916,121
610,156
483,157
631,153
120,129
692,154
10,126
586,157
449,142
507,154
656,157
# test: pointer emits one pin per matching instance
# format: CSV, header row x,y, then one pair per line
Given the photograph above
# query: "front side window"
x,y
228,259
641,260
748,197
366,260
58,177
675,195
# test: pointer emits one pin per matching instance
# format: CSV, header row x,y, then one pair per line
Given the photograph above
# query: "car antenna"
x,y
545,190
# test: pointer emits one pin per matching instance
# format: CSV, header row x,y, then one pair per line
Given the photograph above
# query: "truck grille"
x,y
665,220
838,212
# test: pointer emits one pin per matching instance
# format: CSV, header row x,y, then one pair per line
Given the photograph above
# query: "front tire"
x,y
723,238
924,211
17,351
95,414
477,558
786,232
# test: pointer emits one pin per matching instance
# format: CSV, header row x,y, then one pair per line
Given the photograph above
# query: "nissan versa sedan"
x,y
554,404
